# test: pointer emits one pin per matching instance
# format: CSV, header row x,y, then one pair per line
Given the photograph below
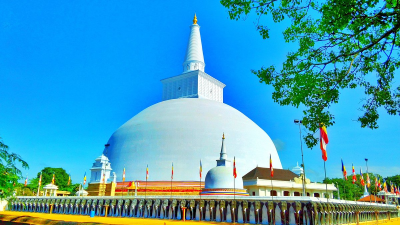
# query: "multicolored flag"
x,y
84,179
323,141
54,178
172,172
391,187
40,179
147,172
376,183
201,169
270,166
384,185
379,185
234,168
123,175
368,181
69,180
361,178
26,181
344,171
354,174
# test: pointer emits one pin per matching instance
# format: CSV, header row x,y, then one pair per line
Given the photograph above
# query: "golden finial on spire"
x,y
223,135
195,19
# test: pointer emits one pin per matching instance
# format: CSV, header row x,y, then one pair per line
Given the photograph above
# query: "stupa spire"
x,y
195,19
223,154
194,59
223,157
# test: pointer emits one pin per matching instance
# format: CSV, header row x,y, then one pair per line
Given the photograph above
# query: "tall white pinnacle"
x,y
223,157
194,59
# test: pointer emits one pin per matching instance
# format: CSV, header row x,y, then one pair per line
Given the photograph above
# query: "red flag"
x,y
354,175
234,168
172,172
361,178
270,166
323,141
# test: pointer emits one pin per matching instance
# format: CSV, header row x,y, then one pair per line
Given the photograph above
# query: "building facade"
x,y
259,182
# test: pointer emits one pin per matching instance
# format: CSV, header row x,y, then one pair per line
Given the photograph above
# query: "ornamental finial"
x,y
223,136
195,19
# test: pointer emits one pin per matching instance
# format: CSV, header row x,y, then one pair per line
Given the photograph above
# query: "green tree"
x,y
350,191
9,172
61,177
342,44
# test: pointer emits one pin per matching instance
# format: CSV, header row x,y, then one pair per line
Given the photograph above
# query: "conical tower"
x,y
223,157
193,82
194,59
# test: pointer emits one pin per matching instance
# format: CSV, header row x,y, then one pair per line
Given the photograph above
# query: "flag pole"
x,y
326,184
234,187
172,175
145,188
201,169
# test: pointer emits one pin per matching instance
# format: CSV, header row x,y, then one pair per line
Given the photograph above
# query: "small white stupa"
x,y
220,179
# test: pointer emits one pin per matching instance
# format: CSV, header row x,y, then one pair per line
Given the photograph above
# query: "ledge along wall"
x,y
256,210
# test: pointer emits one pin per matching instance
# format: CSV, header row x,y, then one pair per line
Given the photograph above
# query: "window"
x,y
254,194
308,193
316,195
273,193
296,193
286,193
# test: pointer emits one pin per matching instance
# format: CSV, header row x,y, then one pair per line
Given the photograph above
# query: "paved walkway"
x,y
53,219
45,218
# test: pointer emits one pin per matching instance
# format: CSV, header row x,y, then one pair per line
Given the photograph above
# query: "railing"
x,y
259,210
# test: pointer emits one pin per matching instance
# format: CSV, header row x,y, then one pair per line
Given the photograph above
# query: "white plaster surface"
x,y
184,131
228,214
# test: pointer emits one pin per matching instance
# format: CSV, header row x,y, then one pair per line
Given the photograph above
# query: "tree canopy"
x,y
350,191
342,44
61,177
9,172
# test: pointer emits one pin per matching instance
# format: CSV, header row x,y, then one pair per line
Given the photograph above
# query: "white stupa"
x,y
220,180
185,127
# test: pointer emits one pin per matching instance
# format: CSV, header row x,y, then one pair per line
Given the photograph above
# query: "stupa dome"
x,y
185,128
222,177
183,131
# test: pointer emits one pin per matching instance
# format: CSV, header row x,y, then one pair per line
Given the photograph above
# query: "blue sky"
x,y
72,72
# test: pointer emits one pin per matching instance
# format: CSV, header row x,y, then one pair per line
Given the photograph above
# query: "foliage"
x,y
394,179
350,191
342,44
9,172
61,177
